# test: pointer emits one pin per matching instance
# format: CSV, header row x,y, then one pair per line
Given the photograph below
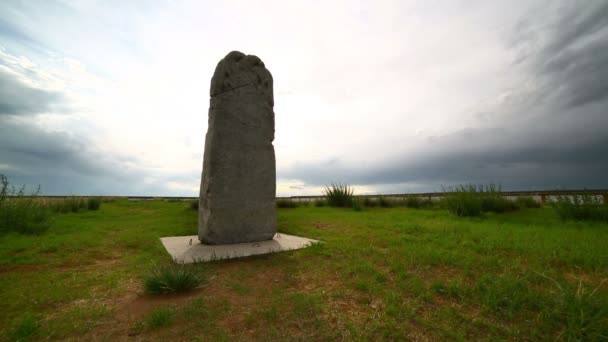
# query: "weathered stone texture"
x,y
238,187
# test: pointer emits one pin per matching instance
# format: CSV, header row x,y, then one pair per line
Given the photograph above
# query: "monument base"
x,y
188,249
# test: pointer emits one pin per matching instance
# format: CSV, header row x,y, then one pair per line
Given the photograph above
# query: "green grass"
x,y
21,213
380,274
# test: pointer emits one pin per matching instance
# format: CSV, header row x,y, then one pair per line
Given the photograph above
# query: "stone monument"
x,y
238,186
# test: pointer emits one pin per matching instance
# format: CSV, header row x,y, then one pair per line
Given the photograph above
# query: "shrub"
x,y
93,203
527,202
581,208
339,195
172,279
286,203
20,213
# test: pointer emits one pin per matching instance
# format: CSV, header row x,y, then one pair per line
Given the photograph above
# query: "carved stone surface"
x,y
238,186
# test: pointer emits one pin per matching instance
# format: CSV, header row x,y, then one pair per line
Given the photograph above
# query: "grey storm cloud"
x,y
64,164
552,135
568,54
19,98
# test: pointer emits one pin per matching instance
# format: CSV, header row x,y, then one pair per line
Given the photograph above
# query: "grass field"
x,y
381,273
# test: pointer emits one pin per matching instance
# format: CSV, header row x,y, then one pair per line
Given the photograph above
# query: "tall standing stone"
x,y
238,186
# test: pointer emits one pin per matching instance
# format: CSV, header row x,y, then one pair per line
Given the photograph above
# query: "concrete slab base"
x,y
188,249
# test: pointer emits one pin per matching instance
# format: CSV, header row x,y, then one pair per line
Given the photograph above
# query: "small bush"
x,y
93,203
20,213
194,205
286,203
581,208
172,279
339,195
527,202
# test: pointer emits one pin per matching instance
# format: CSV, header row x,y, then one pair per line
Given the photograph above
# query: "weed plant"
x,y
20,213
339,195
581,208
172,279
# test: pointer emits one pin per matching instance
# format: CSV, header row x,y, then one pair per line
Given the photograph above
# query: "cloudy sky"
x,y
111,97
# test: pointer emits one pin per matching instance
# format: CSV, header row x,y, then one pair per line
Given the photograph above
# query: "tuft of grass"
x,y
20,213
172,279
160,318
25,329
286,203
339,195
580,311
581,208
93,203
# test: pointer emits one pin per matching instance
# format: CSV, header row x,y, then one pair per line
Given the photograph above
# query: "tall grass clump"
x,y
493,201
463,200
172,279
339,195
93,203
20,213
471,200
583,207
286,203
